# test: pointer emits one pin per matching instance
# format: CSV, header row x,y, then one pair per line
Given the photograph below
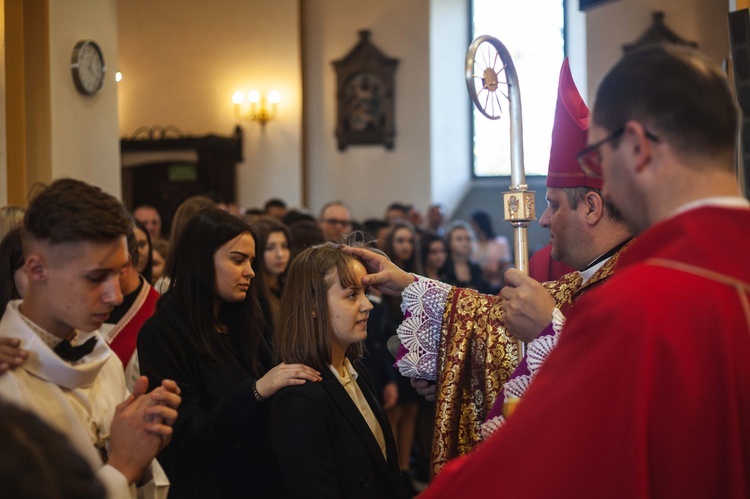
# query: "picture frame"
x,y
365,107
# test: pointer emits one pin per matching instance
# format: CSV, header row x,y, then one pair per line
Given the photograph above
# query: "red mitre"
x,y
569,136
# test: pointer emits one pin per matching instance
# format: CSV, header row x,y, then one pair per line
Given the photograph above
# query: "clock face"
x,y
87,65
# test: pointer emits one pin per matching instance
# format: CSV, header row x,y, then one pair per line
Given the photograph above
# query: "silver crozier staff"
x,y
486,59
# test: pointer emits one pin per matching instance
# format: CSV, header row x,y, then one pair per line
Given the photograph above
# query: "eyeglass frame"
x,y
336,221
583,153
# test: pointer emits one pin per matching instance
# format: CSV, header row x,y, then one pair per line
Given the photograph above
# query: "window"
x,y
533,33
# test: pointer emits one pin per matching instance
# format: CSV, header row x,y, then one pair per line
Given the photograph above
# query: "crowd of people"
x,y
253,355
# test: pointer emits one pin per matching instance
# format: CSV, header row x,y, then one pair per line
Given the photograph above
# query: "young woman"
x,y
159,253
461,270
434,256
270,267
402,247
330,438
145,252
207,336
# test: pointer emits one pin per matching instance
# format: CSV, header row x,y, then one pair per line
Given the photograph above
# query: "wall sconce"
x,y
260,109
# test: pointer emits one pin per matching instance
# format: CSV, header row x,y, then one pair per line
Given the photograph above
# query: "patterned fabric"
x,y
423,305
476,358
565,291
457,337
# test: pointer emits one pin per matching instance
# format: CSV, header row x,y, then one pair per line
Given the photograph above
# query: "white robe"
x,y
77,400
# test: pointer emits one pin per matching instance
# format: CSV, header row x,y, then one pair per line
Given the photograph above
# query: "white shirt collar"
x,y
349,373
586,274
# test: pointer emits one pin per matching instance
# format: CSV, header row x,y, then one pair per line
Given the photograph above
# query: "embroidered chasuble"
x,y
647,393
470,355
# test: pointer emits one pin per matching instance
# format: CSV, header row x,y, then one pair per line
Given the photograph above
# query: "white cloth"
x,y
77,400
424,300
349,382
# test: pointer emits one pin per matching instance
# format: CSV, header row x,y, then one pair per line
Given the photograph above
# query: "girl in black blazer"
x,y
331,438
207,335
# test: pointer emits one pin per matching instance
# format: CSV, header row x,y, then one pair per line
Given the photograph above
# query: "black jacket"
x,y
324,446
220,446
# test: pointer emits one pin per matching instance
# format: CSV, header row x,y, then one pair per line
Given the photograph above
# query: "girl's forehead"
x,y
351,275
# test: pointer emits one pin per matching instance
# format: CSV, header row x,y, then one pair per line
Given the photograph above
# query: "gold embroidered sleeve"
x,y
475,359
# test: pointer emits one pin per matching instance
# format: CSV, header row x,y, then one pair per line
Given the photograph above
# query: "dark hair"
x,y
186,211
482,220
413,264
147,270
274,203
69,210
576,195
371,226
295,216
39,461
676,91
267,297
11,259
305,234
304,328
189,301
132,243
427,241
398,206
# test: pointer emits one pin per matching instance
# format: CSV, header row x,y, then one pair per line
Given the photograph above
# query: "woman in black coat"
x,y
331,438
207,336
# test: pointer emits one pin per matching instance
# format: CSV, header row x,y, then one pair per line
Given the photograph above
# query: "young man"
x,y
75,250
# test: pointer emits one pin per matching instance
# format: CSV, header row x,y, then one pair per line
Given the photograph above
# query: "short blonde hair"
x,y
11,217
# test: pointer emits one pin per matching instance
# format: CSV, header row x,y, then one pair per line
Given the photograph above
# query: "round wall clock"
x,y
87,66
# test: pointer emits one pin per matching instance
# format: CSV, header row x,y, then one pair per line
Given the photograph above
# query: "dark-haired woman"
x,y
207,336
331,438
402,247
270,266
145,256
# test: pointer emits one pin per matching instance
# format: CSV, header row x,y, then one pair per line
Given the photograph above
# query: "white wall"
x,y
368,177
575,46
450,105
614,24
83,129
183,59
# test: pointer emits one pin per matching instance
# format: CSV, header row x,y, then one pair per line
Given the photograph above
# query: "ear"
x,y
594,208
638,145
36,267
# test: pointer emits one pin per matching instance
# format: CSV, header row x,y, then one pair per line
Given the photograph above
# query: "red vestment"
x,y
544,269
123,336
648,391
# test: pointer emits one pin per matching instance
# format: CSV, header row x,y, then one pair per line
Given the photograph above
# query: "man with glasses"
x,y
335,220
648,391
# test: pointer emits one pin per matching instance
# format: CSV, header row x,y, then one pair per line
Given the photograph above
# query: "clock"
x,y
87,66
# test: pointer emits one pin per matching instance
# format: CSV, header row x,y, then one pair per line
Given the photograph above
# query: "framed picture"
x,y
365,80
